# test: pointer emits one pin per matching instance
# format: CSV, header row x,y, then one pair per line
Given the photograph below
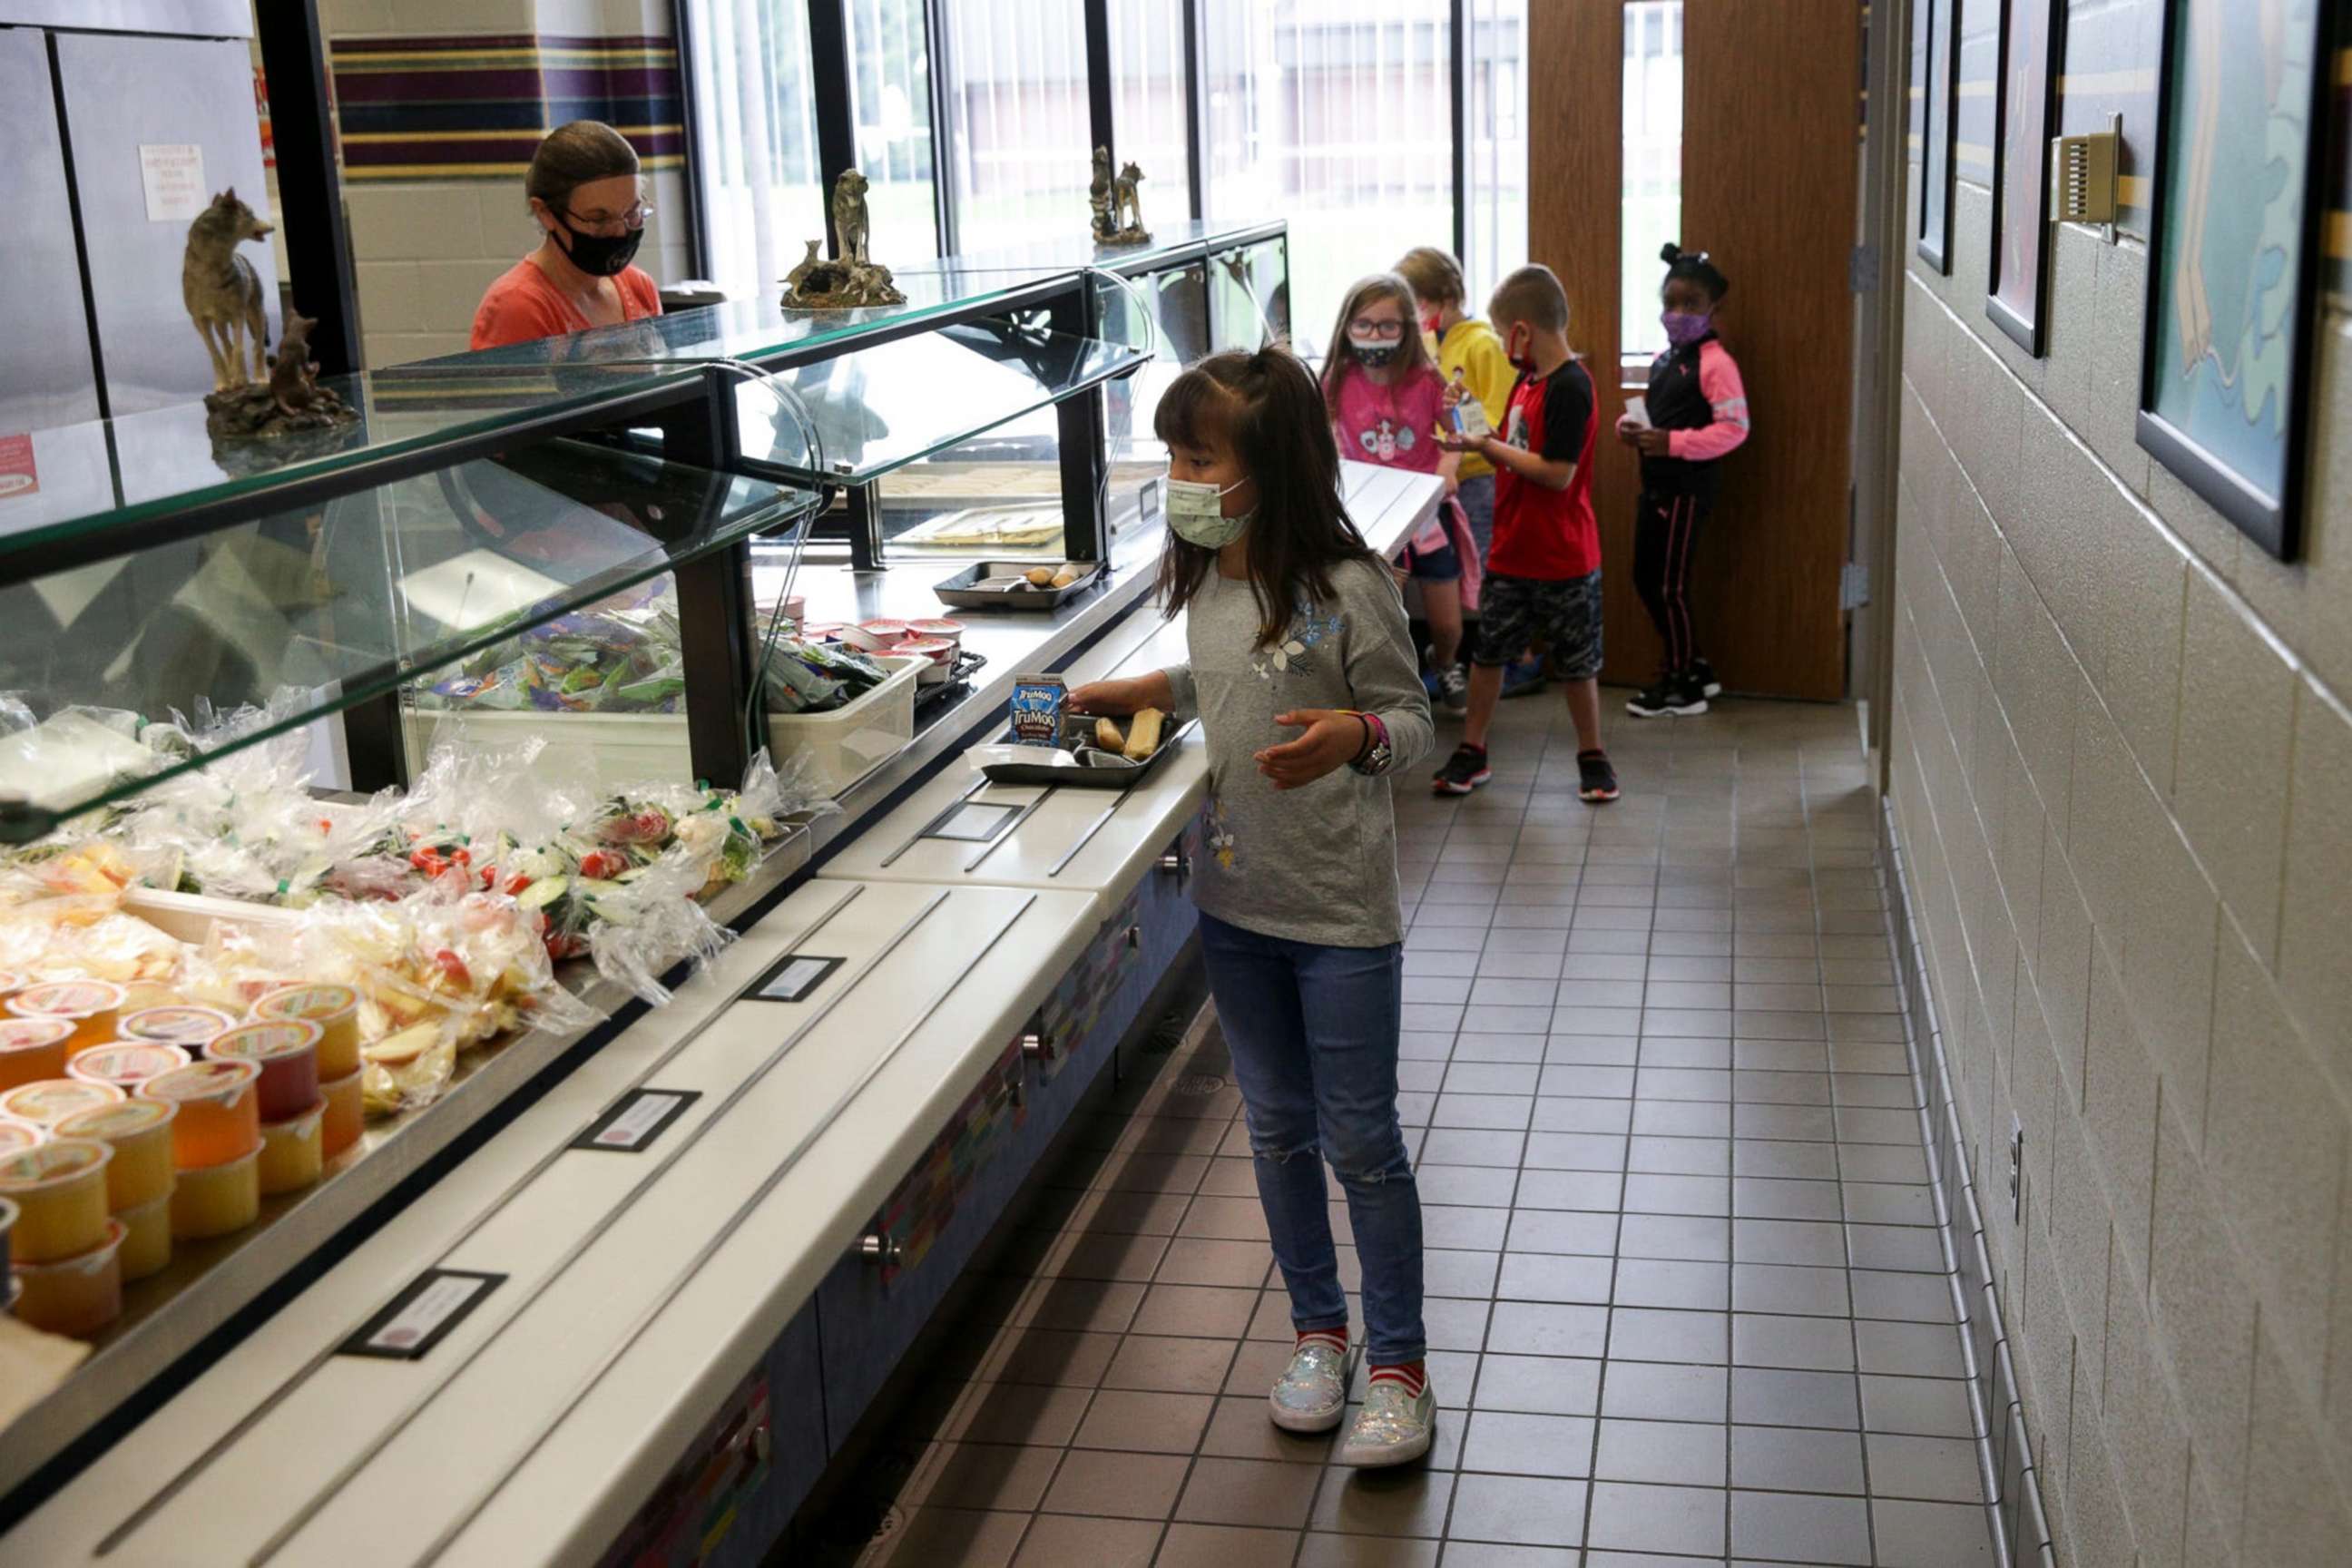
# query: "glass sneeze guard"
x,y
878,409
313,610
107,476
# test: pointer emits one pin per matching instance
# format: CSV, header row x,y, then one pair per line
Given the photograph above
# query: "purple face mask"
x,y
1683,329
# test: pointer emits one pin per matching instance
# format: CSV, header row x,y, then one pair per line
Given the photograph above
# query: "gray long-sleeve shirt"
x,y
1315,863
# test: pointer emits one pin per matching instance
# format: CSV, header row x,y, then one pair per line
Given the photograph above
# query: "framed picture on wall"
x,y
2024,109
2234,255
1941,20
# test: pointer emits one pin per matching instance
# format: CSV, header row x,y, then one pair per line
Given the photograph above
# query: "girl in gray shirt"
x,y
1305,680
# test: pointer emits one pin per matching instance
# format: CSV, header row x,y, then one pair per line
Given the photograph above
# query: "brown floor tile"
x,y
1242,1429
981,1475
1322,1551
1169,1363
1144,1422
1033,1413
1518,1510
968,1537
1211,1311
1066,1541
1226,1546
1194,1261
1130,1485
1257,1492
1406,1500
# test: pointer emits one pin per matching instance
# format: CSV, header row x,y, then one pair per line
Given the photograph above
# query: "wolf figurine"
x,y
293,376
223,293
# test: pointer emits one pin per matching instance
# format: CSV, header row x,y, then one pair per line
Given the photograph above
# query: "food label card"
x,y
423,1315
633,1122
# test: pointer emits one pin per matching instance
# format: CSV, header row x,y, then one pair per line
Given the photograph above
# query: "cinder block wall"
x,y
425,247
2121,764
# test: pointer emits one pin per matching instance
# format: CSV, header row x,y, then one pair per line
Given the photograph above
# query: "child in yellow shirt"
x,y
1468,350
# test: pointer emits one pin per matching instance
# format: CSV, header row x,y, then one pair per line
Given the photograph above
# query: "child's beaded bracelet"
x,y
1374,757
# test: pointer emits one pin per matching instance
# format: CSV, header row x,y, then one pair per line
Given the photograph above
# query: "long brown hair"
x,y
1265,409
1339,356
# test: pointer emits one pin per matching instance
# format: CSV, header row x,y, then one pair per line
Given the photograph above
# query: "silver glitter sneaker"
x,y
1393,1428
1311,1394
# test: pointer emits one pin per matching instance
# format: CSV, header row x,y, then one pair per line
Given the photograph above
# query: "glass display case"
x,y
591,545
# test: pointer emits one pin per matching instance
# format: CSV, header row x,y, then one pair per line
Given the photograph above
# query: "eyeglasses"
x,y
1365,327
632,219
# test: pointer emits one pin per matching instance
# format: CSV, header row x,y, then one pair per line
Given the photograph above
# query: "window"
x,y
758,171
1652,199
1337,115
1017,138
1148,109
890,96
1496,224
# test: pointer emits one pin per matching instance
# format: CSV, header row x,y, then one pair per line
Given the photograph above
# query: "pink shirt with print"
x,y
1396,426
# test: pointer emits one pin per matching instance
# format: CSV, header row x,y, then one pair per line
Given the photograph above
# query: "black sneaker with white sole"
x,y
1673,696
1703,673
1465,770
1596,780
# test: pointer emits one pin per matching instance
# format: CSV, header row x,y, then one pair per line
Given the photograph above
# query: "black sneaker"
x,y
1596,780
1703,673
1465,770
1673,696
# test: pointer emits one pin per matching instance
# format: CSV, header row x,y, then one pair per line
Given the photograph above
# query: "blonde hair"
x,y
1435,276
1412,352
1533,295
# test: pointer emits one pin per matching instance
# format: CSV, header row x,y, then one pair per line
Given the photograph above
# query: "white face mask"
x,y
1196,510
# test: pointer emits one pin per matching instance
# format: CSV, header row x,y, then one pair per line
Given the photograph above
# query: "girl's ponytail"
x,y
1695,266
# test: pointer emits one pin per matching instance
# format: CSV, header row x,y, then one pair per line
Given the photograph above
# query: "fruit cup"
x,y
10,984
147,1246
47,1101
33,1048
346,1113
139,1133
214,1200
334,1008
16,1135
59,1191
126,1064
220,1111
293,1152
183,1025
76,1295
90,1005
287,1052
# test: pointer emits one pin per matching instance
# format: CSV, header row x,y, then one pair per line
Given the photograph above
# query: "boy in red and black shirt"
x,y
1543,575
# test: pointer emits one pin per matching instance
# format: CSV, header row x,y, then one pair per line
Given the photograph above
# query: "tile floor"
x,y
1686,1301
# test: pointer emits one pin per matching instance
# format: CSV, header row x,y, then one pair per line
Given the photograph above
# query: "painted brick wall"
x,y
423,249
2122,776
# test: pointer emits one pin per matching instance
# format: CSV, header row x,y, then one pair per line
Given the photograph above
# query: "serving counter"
x,y
621,1279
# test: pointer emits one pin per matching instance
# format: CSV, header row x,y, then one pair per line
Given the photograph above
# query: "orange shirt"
x,y
522,304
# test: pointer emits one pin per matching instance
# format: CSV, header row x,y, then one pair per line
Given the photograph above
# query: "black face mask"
x,y
599,254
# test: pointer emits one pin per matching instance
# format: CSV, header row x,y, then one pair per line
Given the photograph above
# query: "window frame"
x,y
828,33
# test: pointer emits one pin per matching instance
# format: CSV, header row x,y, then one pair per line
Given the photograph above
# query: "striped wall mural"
x,y
475,106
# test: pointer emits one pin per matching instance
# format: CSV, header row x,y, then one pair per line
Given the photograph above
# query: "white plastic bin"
x,y
616,751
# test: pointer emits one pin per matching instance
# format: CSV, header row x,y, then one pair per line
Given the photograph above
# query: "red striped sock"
x,y
1412,1374
1336,1338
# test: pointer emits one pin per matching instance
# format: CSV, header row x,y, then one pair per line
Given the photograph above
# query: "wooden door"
x,y
1769,171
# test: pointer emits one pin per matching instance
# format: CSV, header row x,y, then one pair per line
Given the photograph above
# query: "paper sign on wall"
x,y
172,175
18,476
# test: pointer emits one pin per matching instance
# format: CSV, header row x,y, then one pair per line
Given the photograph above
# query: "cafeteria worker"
x,y
583,191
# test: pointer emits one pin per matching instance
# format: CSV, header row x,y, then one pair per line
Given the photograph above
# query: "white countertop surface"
x,y
640,1288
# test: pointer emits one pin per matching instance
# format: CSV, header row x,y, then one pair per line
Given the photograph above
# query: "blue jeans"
x,y
1477,498
1313,1032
